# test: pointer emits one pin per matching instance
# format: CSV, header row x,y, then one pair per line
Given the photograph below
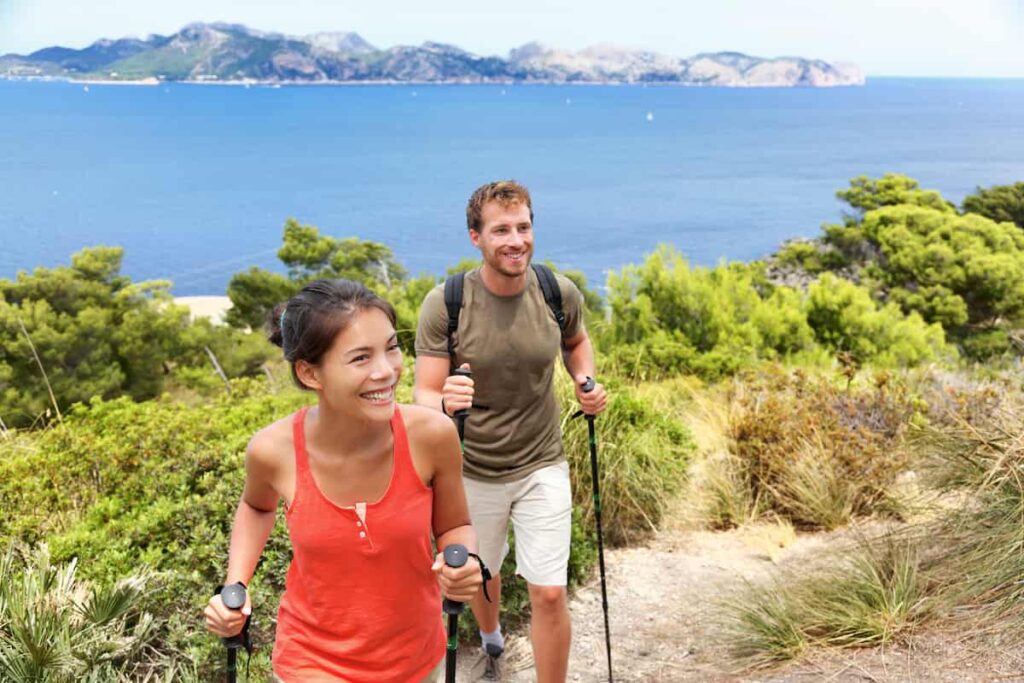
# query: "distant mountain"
x,y
234,53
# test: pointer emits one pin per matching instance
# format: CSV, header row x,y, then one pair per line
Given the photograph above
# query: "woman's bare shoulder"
x,y
426,425
272,445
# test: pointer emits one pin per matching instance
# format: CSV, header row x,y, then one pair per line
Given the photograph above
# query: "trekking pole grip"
x,y
233,597
455,556
586,388
461,415
462,372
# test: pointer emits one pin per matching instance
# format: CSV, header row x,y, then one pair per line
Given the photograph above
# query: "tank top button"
x,y
359,523
362,534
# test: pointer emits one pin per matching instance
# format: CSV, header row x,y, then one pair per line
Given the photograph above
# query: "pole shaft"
x,y
453,640
595,480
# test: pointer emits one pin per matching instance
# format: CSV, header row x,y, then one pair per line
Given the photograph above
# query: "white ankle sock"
x,y
495,638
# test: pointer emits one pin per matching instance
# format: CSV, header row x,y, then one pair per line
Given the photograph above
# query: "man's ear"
x,y
308,375
474,237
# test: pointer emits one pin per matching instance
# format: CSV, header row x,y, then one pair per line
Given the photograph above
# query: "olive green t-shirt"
x,y
512,344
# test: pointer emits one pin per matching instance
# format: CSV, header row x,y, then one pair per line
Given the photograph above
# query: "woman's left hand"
x,y
459,584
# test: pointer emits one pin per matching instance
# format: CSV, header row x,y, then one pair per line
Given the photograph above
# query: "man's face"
x,y
505,238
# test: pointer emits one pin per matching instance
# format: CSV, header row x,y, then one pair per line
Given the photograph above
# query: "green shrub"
x,y
668,318
123,484
1000,203
847,320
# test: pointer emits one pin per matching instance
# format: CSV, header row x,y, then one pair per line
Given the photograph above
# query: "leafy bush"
x,y
668,318
121,484
69,334
847,320
1001,203
308,255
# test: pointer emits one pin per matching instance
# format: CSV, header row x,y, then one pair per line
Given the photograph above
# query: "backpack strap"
x,y
552,293
453,302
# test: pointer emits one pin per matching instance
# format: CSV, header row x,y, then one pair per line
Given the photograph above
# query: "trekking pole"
x,y
461,415
587,387
233,597
455,555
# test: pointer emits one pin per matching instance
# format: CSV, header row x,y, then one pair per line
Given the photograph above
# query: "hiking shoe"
x,y
488,666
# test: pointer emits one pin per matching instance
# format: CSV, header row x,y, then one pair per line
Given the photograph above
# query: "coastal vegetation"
x,y
859,380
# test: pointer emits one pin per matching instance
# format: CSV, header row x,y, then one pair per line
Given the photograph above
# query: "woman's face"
x,y
360,371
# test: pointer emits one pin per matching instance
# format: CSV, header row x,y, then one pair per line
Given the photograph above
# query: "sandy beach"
x,y
212,307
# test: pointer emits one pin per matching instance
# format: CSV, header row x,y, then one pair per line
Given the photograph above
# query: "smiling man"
x,y
509,323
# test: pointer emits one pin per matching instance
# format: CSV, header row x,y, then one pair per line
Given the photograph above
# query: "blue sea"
x,y
196,182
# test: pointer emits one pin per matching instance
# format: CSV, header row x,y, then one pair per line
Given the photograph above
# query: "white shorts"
x,y
540,507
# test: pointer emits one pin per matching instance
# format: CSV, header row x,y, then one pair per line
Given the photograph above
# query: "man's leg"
x,y
489,505
486,613
550,632
542,523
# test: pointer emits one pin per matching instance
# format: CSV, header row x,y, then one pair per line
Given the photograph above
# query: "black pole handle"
x,y
461,415
455,556
233,597
462,372
586,388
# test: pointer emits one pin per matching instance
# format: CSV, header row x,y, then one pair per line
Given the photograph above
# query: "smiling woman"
x,y
366,485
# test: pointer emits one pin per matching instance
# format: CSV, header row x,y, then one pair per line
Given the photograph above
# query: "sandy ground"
x,y
666,621
212,307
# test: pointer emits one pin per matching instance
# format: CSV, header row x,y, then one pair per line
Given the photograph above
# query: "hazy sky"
x,y
891,37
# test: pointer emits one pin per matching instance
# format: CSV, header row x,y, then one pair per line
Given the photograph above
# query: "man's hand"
x,y
459,584
592,402
457,392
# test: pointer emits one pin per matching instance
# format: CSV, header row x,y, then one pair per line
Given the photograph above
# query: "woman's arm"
x,y
439,442
254,521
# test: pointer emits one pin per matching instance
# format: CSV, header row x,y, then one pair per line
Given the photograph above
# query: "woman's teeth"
x,y
379,395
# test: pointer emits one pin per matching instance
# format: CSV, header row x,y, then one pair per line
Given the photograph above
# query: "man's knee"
x,y
548,599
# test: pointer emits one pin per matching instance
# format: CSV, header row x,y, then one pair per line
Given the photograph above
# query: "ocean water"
x,y
195,182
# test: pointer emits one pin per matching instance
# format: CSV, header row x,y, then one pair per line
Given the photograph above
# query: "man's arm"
x,y
435,388
431,372
578,355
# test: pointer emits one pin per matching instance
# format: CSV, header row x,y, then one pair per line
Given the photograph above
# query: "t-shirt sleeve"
x,y
432,328
572,306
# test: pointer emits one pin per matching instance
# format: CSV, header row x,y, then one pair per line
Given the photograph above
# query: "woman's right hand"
x,y
226,622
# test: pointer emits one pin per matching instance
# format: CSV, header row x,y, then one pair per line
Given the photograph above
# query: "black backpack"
x,y
453,302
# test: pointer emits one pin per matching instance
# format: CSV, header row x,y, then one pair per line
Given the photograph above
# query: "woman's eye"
x,y
360,358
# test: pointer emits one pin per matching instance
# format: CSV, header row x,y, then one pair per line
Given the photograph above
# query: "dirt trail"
x,y
666,626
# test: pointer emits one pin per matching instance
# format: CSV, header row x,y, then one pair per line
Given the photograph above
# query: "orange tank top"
x,y
361,602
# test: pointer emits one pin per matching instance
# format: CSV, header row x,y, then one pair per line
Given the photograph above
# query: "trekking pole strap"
x,y
485,573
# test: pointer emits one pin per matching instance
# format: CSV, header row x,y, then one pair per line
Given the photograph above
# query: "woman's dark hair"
x,y
306,325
